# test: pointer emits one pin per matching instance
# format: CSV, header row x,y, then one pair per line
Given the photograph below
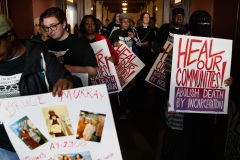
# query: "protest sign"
x,y
129,64
106,70
156,76
199,67
79,123
232,147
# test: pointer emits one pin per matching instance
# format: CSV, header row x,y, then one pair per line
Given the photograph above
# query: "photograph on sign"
x,y
57,121
75,156
28,133
199,67
90,126
106,70
129,64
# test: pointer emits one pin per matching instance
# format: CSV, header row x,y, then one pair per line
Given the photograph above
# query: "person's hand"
x,y
60,85
112,59
228,82
172,112
131,35
116,44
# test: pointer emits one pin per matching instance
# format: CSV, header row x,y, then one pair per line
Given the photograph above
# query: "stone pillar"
x,y
99,12
150,8
159,13
87,5
105,15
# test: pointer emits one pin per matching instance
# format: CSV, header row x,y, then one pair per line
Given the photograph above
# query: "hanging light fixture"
x,y
124,8
124,3
124,11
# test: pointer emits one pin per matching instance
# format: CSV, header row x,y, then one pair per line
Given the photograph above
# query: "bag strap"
x,y
146,35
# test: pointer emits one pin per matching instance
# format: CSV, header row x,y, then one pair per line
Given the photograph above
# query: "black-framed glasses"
x,y
52,27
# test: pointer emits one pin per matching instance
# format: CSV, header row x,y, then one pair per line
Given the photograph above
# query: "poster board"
x,y
156,76
58,121
106,69
199,67
129,64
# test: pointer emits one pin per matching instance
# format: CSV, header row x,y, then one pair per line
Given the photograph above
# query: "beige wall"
x,y
159,13
135,17
87,5
99,11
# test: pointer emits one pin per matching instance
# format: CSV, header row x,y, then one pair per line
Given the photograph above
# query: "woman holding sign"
x,y
89,30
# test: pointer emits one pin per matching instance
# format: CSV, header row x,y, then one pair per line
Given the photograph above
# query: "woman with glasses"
x,y
130,37
125,33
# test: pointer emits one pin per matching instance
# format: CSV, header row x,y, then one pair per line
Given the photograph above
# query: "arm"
x,y
58,77
113,52
136,39
92,72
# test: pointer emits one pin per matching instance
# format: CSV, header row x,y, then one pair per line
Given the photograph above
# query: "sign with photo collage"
x,y
79,124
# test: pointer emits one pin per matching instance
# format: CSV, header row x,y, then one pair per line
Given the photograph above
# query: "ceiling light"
x,y
125,8
124,11
124,4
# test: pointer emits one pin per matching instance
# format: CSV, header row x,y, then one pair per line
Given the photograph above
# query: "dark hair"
x,y
139,20
81,27
154,20
79,156
64,157
141,17
176,11
54,12
114,17
106,19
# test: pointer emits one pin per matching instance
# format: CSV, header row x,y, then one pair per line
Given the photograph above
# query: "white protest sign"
x,y
46,127
156,76
199,67
129,64
106,70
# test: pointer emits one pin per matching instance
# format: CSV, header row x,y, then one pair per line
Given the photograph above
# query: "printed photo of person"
x,y
75,156
57,121
28,133
90,126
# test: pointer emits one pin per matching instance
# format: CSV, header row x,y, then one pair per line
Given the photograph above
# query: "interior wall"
x,y
22,18
207,5
39,6
135,17
159,13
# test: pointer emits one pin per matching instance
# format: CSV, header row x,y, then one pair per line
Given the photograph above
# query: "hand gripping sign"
x,y
199,67
106,70
156,76
79,123
129,64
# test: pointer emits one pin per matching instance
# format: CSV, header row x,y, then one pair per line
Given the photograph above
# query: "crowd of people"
x,y
46,62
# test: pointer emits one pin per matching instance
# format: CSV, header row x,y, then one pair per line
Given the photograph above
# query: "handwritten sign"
x,y
106,70
156,76
47,127
129,64
199,67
